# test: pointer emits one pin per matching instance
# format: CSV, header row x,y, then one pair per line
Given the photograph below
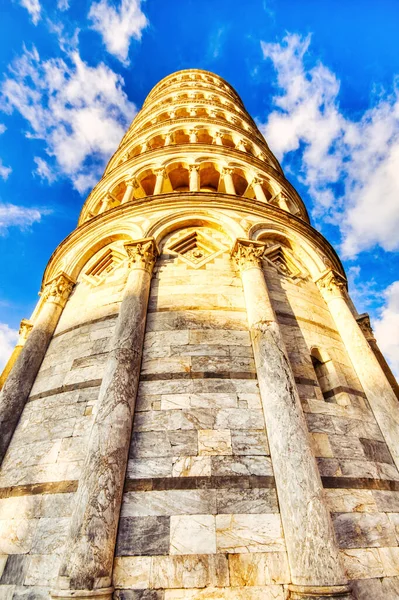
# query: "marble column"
x,y
228,181
86,568
160,174
313,554
218,138
194,178
381,397
168,139
24,331
257,187
19,383
283,202
131,185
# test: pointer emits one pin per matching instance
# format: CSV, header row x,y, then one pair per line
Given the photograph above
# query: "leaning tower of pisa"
x,y
195,410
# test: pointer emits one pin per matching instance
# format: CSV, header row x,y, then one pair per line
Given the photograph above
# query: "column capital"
x,y
363,321
257,181
247,253
58,289
160,172
331,284
227,171
24,330
142,254
193,168
132,181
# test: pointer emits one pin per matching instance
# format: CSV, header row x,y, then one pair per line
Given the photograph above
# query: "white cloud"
x,y
33,7
362,156
2,128
80,112
62,4
386,328
8,339
44,170
19,216
4,171
118,25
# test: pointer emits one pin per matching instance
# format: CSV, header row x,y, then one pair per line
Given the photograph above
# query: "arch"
x,y
209,175
302,247
328,377
186,218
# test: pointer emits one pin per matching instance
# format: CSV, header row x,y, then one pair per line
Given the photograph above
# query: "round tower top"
x,y
192,77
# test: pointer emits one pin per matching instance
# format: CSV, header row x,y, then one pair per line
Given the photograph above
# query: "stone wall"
x,y
200,516
41,469
200,509
360,479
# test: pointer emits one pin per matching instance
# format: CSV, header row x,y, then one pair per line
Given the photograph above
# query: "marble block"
x,y
192,534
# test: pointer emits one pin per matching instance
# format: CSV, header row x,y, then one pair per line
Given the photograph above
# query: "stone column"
x,y
19,383
228,181
131,185
86,568
363,321
160,173
283,202
313,554
241,144
194,178
380,395
257,187
168,139
193,136
24,331
218,138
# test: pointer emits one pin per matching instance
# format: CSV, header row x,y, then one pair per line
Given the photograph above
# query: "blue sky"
x,y
320,78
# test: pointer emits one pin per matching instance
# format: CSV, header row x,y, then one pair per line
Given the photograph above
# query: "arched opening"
x,y
181,137
201,111
148,183
181,112
240,182
157,142
328,378
227,141
204,137
209,178
178,178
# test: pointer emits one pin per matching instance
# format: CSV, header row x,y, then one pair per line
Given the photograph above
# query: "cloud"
x,y
2,128
80,112
386,328
8,339
19,216
33,7
4,171
351,167
62,4
118,25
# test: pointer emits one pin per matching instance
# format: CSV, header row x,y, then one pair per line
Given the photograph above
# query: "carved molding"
x,y
58,289
332,284
247,254
363,321
24,330
142,254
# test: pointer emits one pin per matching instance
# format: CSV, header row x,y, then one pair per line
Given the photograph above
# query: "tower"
x,y
196,412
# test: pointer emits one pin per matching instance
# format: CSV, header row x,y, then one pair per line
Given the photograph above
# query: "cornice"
x,y
139,135
191,200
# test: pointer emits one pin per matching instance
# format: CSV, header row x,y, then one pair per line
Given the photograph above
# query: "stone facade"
x,y
193,411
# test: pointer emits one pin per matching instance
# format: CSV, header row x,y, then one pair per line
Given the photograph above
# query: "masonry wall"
x,y
200,517
359,476
40,472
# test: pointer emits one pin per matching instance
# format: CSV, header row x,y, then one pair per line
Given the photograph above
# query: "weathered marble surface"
x,y
309,536
87,562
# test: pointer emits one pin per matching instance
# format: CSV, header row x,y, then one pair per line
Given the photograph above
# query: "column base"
x,y
99,594
315,592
